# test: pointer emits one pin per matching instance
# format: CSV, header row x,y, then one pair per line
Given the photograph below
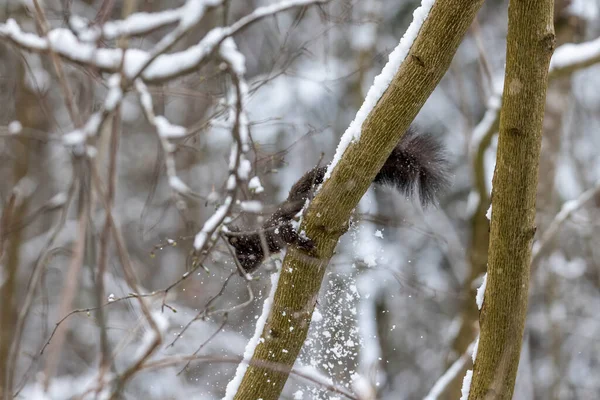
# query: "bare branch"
x,y
71,279
131,281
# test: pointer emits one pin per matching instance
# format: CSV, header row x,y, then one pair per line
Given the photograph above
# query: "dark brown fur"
x,y
416,163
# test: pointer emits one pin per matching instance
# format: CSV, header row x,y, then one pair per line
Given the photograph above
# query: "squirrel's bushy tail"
x,y
418,162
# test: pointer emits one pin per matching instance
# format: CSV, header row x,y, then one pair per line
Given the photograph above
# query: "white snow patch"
x,y
481,292
569,54
15,127
230,52
255,185
168,130
178,185
244,169
253,206
466,386
317,316
475,348
13,31
211,224
488,214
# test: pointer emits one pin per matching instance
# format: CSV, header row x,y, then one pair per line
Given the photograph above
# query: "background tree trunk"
x,y
530,43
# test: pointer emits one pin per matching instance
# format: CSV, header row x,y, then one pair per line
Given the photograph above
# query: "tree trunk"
x,y
530,43
327,217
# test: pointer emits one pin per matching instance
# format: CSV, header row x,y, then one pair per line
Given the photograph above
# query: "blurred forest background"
x,y
398,304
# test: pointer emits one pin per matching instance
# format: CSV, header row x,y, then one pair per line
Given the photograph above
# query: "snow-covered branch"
x,y
570,57
165,131
154,66
563,215
450,375
239,166
567,58
142,23
381,83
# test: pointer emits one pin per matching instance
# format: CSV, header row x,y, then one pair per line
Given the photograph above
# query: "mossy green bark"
x,y
327,217
530,44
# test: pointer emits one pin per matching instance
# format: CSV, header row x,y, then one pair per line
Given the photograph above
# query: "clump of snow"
x,y
178,185
255,185
244,169
569,54
57,200
253,206
488,214
475,348
135,23
466,386
167,65
168,130
13,31
317,316
211,224
115,94
15,127
74,138
481,292
298,395
229,52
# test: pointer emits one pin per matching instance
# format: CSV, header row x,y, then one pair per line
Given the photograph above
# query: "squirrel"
x,y
418,162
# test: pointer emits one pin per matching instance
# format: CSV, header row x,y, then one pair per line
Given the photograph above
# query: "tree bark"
x,y
530,44
327,216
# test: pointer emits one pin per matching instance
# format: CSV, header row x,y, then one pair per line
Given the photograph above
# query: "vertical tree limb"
x,y
530,44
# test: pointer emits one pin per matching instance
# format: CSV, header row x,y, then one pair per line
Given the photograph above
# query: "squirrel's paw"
x,y
307,245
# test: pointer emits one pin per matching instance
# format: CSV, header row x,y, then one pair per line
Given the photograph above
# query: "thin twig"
x,y
34,281
90,309
131,281
203,311
211,337
42,21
